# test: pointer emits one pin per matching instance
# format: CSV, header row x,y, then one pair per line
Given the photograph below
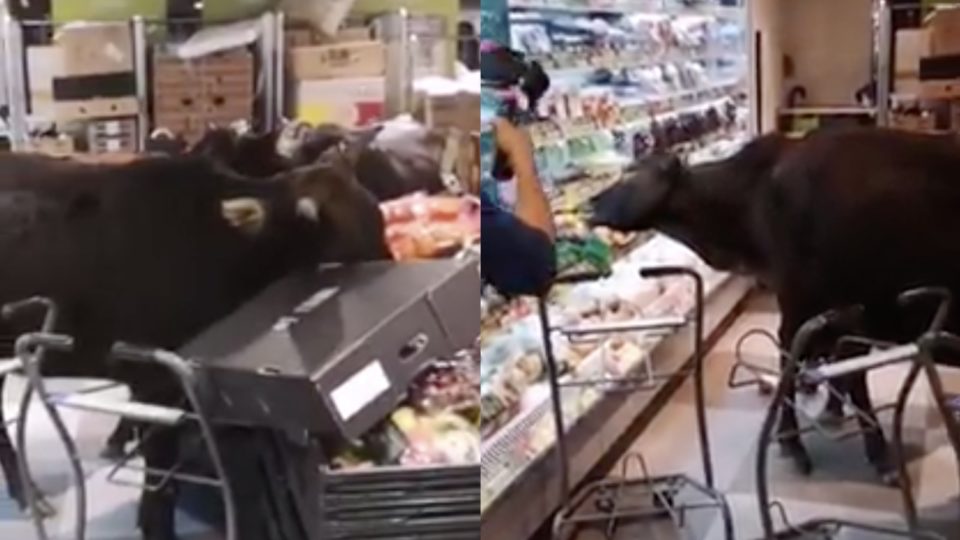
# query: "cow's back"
x,y
862,214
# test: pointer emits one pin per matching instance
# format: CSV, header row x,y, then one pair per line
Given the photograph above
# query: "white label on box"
x,y
360,390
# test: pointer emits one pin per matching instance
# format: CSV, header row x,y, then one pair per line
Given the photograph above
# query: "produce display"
x,y
426,227
436,425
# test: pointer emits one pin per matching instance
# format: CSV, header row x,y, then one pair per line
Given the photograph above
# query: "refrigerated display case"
x,y
628,78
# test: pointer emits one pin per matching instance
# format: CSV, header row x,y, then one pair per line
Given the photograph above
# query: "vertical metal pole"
x,y
268,68
16,93
556,401
140,65
884,62
280,84
395,31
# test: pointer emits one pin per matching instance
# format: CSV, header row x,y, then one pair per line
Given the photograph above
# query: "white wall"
x,y
830,43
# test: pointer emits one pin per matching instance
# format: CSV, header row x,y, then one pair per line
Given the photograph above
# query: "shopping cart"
x,y
920,354
638,495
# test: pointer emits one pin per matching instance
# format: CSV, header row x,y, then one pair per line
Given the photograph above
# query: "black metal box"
x,y
333,351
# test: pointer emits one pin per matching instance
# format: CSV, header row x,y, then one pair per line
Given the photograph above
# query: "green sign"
x,y
64,11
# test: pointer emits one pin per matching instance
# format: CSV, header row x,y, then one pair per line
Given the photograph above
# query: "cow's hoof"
x,y
890,478
888,474
44,509
113,452
802,463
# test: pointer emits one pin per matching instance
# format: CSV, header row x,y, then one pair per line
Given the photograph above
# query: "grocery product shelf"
x,y
605,417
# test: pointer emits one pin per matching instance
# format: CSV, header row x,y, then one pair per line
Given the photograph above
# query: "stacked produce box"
x,y
339,79
191,95
927,74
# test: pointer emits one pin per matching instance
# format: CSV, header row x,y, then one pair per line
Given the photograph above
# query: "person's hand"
x,y
516,144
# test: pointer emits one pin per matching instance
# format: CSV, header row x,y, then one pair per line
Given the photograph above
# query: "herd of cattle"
x,y
844,217
156,249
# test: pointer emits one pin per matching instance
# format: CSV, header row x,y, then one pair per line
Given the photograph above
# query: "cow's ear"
x,y
246,214
357,141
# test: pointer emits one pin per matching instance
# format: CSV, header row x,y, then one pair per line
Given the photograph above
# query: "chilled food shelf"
x,y
600,419
625,7
623,296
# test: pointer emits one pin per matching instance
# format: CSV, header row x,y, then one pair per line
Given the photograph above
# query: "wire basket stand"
x,y
638,496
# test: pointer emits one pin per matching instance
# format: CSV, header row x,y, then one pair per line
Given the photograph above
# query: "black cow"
x,y
156,250
841,217
392,159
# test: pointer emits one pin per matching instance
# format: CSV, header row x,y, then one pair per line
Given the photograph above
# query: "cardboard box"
x,y
940,89
53,146
943,24
356,59
923,123
95,49
349,102
89,109
906,86
912,44
44,62
460,111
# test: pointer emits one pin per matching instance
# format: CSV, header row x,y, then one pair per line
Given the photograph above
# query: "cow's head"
x,y
247,153
639,200
321,204
351,142
706,207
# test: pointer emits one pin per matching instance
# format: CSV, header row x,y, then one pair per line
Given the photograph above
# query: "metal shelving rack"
x,y
269,49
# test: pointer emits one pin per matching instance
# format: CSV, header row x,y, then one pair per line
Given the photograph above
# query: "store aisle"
x,y
843,484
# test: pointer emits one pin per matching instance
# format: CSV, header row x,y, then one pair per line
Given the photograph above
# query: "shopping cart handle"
x,y
126,351
580,277
11,309
54,342
943,340
654,272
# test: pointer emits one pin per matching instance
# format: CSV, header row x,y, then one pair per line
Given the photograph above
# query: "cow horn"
x,y
247,214
307,208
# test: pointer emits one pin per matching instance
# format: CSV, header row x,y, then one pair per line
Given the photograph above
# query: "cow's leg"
x,y
792,316
117,443
156,512
878,453
832,415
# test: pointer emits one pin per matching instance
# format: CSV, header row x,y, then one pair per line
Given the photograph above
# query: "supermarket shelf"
x,y
533,494
582,72
622,8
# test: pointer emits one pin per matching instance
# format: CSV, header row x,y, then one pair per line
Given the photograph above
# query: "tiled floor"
x,y
111,509
843,485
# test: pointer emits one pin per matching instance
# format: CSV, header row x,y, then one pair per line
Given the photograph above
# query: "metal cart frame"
x,y
32,348
793,372
662,489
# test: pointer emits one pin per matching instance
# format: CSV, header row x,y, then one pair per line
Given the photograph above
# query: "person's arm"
x,y
532,206
516,258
